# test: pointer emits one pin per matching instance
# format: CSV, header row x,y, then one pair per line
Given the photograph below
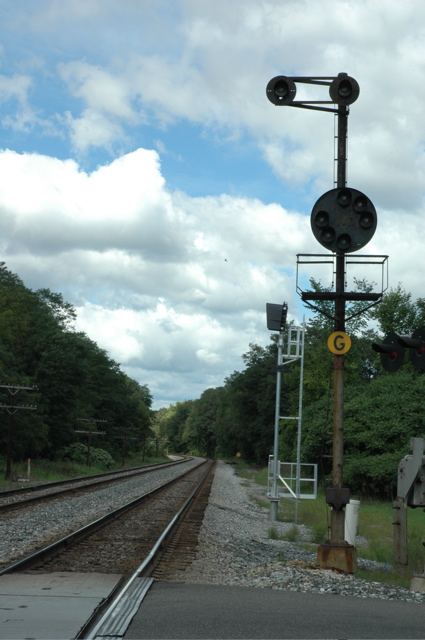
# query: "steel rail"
x,y
56,483
83,482
118,615
42,555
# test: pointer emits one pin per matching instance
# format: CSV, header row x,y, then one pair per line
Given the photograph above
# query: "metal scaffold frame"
x,y
295,352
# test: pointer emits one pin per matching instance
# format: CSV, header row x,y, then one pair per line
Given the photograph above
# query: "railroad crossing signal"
x,y
392,352
343,220
393,348
416,346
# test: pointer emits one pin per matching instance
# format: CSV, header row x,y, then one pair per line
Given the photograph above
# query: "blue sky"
x,y
145,175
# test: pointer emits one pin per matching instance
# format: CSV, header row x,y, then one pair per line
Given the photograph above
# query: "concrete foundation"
x,y
418,584
342,557
50,605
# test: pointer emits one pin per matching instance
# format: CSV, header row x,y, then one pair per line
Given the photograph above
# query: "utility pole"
x,y
90,433
124,439
12,408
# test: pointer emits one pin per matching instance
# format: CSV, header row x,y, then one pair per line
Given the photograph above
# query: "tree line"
x,y
382,410
74,379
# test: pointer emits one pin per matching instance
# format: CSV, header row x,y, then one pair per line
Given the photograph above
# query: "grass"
x,y
52,471
249,473
292,535
374,526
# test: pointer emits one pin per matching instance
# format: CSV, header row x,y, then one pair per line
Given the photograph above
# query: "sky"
x,y
145,175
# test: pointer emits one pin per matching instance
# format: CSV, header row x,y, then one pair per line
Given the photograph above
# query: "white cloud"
x,y
162,281
16,89
100,89
93,129
169,282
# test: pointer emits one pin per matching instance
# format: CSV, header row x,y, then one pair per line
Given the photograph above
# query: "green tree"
x,y
175,426
201,425
397,313
75,378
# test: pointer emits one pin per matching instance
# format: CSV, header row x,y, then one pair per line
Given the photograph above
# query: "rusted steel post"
x,y
338,515
337,553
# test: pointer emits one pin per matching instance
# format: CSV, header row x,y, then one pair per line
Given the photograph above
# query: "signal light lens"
x,y
344,242
366,221
322,219
344,197
328,235
360,204
344,90
281,90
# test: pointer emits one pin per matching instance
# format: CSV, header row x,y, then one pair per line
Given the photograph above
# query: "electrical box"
x,y
411,475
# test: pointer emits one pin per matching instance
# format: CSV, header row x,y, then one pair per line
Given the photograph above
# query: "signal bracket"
x,y
379,261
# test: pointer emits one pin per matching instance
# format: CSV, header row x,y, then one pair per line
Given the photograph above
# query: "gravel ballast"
x,y
26,531
234,549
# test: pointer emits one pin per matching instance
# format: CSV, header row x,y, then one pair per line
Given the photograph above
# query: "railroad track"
x,y
173,550
124,532
180,551
130,541
13,499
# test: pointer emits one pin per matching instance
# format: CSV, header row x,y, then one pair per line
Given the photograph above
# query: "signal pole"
x,y
276,321
343,220
338,515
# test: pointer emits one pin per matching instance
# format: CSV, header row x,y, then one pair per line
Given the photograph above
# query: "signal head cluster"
x,y
343,220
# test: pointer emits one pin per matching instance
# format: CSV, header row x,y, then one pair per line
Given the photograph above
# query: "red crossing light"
x,y
416,345
392,352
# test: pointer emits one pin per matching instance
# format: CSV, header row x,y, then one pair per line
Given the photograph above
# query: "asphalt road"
x,y
188,611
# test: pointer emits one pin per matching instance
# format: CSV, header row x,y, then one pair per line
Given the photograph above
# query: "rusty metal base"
x,y
342,557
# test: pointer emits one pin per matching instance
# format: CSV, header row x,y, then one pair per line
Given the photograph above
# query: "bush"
x,y
373,476
77,452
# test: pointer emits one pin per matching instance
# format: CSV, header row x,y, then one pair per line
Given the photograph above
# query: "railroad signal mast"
x,y
343,220
276,321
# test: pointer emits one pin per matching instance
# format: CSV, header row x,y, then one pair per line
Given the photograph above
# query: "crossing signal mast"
x,y
343,220
392,350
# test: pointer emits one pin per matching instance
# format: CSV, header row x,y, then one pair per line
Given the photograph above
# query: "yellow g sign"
x,y
339,342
